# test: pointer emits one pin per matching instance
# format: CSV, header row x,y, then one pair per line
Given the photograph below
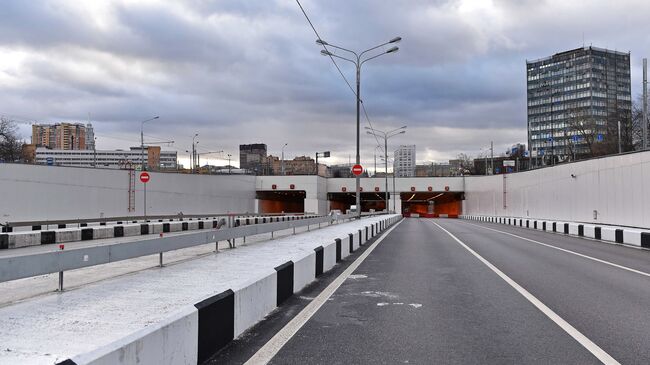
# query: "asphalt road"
x,y
422,298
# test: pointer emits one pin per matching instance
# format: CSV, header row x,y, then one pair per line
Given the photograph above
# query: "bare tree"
x,y
583,126
465,165
10,146
579,124
637,123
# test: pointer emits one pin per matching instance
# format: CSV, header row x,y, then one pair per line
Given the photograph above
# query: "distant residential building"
x,y
301,165
63,136
155,159
253,157
404,161
575,100
433,169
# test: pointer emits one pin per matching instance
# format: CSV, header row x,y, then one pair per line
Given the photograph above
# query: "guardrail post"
x,y
61,247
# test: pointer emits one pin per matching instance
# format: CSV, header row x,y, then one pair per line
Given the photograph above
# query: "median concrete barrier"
x,y
23,239
175,340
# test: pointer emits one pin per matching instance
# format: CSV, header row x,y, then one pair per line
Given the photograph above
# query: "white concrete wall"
x,y
617,187
173,341
33,192
255,301
402,184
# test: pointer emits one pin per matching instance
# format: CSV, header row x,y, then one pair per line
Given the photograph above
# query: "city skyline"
x,y
240,73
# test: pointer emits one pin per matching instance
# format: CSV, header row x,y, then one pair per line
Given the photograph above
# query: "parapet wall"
x,y
611,190
35,192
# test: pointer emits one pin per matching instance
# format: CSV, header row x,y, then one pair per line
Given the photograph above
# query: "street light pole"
x,y
386,136
285,145
193,159
229,167
358,62
142,140
323,154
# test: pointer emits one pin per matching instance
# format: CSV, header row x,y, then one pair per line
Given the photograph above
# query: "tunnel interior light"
x,y
433,197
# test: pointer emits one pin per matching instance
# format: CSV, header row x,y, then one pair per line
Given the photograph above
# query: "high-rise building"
x,y
60,136
575,101
253,157
90,137
404,161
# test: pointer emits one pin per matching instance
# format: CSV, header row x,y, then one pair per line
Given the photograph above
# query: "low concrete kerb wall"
x,y
617,234
196,333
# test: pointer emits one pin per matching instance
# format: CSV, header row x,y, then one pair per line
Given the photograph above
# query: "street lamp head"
x,y
402,132
322,42
326,53
156,117
395,40
393,50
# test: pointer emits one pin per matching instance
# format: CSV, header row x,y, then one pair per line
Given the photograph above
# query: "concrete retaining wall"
x,y
58,193
614,187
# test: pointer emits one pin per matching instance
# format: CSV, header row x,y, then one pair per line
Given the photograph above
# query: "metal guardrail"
x,y
24,266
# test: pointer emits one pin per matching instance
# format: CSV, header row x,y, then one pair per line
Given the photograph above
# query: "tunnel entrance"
x,y
281,201
369,201
432,204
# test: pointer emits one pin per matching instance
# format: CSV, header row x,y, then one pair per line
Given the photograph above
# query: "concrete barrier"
x,y
92,231
254,301
175,340
23,239
626,235
197,332
304,270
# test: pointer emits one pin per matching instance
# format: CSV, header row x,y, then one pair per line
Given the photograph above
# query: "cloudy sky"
x,y
249,71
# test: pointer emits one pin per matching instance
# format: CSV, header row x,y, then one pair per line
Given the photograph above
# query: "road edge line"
x,y
566,250
275,344
599,353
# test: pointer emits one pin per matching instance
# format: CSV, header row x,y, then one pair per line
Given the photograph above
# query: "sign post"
x,y
144,178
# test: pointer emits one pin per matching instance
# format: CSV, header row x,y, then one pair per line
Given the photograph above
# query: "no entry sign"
x,y
144,177
357,170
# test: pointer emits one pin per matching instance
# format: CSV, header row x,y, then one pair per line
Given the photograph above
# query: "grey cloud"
x,y
242,72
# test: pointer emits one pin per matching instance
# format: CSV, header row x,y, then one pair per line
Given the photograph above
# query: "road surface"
x,y
449,291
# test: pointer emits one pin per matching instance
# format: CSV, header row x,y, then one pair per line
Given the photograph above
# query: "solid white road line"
x,y
271,348
565,250
604,357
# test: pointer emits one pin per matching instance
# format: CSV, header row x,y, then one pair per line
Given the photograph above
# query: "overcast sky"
x,y
238,71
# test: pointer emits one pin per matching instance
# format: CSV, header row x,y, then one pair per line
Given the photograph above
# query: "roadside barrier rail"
x,y
19,266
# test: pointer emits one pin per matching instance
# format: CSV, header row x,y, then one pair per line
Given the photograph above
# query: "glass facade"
x,y
575,99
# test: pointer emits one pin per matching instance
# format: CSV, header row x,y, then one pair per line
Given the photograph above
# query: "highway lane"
x,y
629,256
607,304
420,297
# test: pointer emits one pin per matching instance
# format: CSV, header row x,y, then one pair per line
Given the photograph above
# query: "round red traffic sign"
x,y
144,177
357,170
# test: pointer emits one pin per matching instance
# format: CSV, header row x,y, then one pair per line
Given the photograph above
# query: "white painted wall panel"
x,y
34,192
253,302
304,271
616,187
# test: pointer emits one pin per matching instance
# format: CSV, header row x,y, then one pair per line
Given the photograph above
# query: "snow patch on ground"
x,y
357,276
